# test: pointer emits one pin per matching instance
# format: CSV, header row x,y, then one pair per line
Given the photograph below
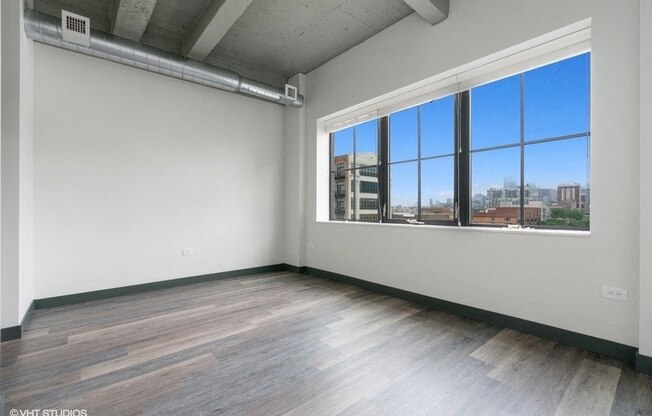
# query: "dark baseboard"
x,y
296,269
28,315
145,287
11,333
598,345
16,332
644,364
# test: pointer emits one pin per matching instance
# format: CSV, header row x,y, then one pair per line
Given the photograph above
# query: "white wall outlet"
x,y
614,293
311,245
187,252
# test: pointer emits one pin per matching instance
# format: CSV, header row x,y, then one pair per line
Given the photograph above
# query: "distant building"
x,y
355,191
478,201
569,196
586,200
508,197
494,196
437,214
548,196
508,215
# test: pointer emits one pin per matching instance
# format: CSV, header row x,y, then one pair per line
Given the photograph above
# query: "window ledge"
x,y
480,229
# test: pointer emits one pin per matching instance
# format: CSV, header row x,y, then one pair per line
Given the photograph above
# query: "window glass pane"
x,y
496,113
371,171
341,194
556,174
403,135
366,144
366,194
341,163
367,187
342,148
437,189
403,190
495,181
438,127
557,99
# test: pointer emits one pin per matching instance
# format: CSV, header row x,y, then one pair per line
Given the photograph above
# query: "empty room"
x,y
325,207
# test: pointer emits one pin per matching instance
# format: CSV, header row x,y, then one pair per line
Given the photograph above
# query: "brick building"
x,y
507,216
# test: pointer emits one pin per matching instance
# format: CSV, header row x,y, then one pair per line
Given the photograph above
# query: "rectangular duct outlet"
x,y
75,28
291,92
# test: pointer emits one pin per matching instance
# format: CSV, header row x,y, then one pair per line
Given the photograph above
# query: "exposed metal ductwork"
x,y
46,29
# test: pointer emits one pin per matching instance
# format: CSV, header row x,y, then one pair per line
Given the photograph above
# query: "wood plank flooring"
x,y
289,344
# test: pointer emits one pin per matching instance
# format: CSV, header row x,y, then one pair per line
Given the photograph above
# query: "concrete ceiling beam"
x,y
211,27
130,17
432,11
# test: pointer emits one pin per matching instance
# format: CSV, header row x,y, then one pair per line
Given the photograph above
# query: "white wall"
x,y
130,167
17,166
645,291
1,279
554,280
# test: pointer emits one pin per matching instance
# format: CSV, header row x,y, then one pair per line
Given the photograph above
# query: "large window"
x,y
513,152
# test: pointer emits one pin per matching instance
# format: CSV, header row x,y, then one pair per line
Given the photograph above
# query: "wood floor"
x,y
288,344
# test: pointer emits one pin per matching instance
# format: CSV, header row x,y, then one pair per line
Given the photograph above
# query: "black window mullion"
x,y
379,188
419,163
354,191
383,169
456,161
522,201
463,141
331,178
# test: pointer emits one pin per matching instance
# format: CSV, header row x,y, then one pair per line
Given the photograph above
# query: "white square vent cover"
x,y
76,29
291,92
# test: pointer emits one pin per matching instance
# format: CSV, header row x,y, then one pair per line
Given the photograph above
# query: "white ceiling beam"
x,y
432,11
130,17
212,26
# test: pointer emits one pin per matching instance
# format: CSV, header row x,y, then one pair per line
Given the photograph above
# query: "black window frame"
x,y
463,198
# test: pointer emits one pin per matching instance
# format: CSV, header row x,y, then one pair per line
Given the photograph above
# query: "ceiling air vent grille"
x,y
291,92
75,28
76,25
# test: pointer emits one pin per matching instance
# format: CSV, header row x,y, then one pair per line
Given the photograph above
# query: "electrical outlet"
x,y
187,252
311,245
614,293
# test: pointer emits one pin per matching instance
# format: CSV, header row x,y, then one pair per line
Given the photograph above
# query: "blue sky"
x,y
556,103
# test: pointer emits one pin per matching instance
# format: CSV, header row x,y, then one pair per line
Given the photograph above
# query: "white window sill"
x,y
472,229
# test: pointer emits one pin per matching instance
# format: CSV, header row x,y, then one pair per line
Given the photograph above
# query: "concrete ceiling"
x,y
284,37
172,21
270,41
